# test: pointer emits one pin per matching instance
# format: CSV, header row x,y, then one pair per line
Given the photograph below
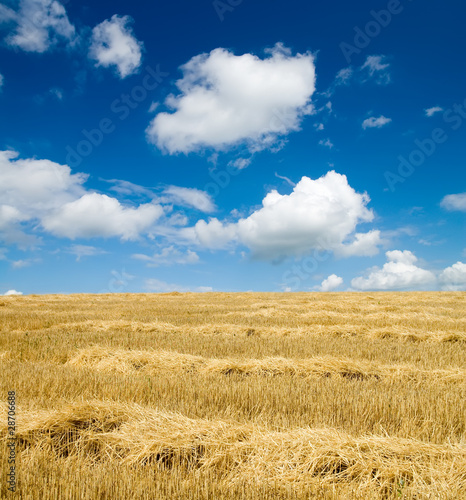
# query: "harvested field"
x,y
241,396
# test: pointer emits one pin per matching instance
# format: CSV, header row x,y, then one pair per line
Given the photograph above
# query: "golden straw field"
x,y
236,396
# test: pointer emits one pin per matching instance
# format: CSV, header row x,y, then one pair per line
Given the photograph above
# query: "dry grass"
x,y
237,395
150,362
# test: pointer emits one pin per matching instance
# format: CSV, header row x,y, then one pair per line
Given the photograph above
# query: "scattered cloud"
x,y
318,214
454,202
155,285
54,93
376,68
10,293
189,197
400,272
38,25
453,278
126,188
327,143
168,256
331,283
432,111
240,163
374,122
114,45
319,126
225,100
344,76
2,81
84,251
19,264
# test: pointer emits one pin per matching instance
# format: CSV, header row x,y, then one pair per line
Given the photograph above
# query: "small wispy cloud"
x,y
286,179
168,256
327,143
432,111
84,251
156,285
374,122
377,68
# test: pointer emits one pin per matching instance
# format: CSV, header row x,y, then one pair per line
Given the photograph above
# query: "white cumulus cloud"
x,y
38,25
374,122
98,215
453,278
12,292
398,273
114,44
454,202
330,283
47,193
225,100
318,214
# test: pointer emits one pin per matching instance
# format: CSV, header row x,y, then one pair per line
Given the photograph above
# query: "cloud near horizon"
x,y
321,213
401,272
50,196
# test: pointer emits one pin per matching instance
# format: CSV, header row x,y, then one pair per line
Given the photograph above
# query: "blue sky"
x,y
232,146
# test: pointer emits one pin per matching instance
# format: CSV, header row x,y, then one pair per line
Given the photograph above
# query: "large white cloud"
x,y
318,214
39,25
454,202
98,215
398,273
33,185
113,44
454,277
226,99
48,194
